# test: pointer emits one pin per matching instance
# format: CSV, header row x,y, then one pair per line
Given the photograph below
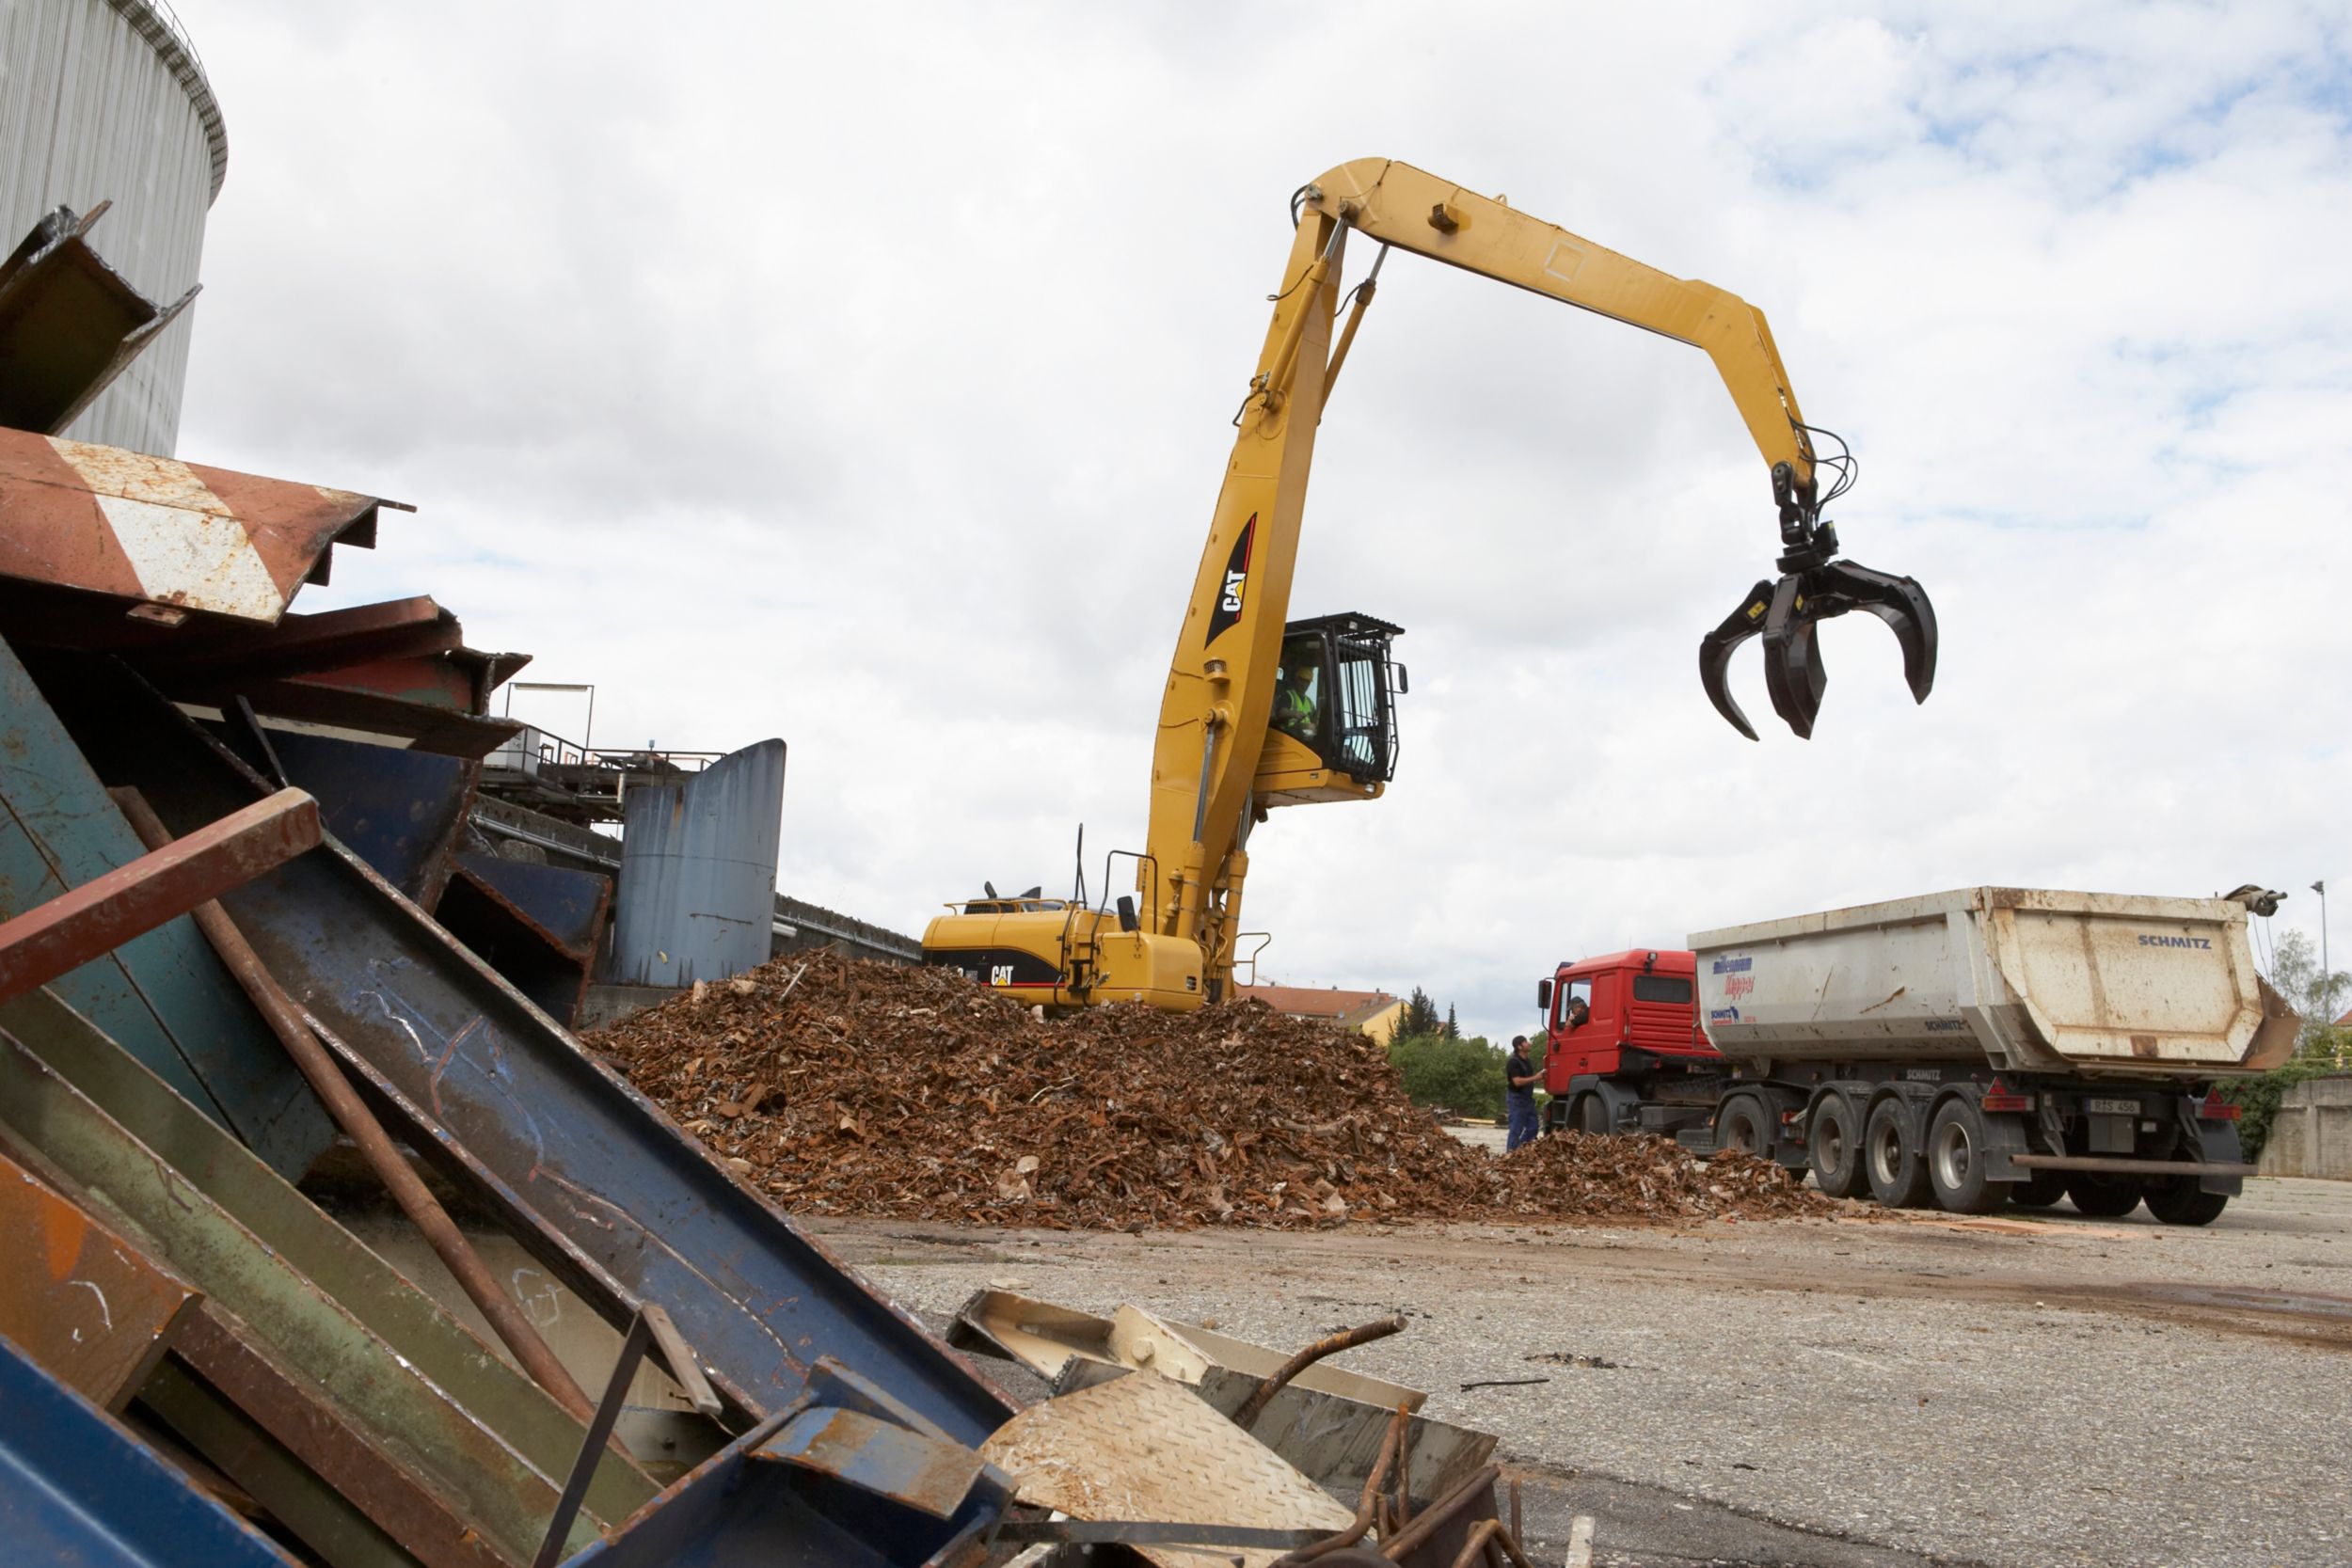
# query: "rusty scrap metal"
x,y
172,535
504,1313
345,1454
1368,1505
1330,1344
1113,1119
69,322
102,914
651,1326
93,1310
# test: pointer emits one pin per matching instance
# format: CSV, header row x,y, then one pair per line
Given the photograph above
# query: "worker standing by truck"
x,y
1518,1098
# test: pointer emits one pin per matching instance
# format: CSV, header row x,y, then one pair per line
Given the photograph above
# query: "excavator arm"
x,y
1213,730
1219,760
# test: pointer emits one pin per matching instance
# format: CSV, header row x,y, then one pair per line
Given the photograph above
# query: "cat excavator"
x,y
1261,711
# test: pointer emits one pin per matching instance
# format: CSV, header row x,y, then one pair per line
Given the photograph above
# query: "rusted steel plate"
x,y
928,1474
312,1512
340,1450
303,644
87,1304
69,322
48,1126
157,531
51,1047
108,910
421,724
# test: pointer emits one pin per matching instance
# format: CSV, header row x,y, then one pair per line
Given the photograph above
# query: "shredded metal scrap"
x,y
868,1088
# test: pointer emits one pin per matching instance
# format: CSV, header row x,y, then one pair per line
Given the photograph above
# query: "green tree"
x,y
1450,1074
2294,974
1453,1030
1421,1015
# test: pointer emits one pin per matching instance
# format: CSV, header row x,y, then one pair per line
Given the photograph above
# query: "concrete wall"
x,y
2313,1134
105,100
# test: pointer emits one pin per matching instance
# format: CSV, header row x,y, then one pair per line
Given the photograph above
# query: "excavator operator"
x,y
1295,694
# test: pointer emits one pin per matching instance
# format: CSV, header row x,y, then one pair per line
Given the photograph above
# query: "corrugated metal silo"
x,y
107,100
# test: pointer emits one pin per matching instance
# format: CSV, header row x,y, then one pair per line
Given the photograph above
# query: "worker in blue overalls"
x,y
1520,1078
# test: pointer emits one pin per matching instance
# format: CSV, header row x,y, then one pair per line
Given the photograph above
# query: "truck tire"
x,y
1955,1160
1832,1147
1890,1158
2103,1195
2039,1190
1740,1125
1592,1116
2179,1200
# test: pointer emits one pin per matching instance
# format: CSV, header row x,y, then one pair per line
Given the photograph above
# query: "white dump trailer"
x,y
1992,1045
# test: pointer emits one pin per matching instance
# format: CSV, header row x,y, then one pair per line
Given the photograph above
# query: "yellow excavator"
x,y
1261,712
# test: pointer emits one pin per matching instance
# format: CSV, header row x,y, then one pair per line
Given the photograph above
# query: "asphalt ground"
x,y
1865,1391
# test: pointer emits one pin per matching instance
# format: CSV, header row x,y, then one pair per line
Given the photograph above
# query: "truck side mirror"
x,y
1543,995
1127,921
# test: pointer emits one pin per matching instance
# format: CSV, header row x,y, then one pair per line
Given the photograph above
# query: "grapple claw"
x,y
1717,646
1787,615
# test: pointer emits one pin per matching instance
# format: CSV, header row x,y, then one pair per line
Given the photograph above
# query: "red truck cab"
x,y
1616,1025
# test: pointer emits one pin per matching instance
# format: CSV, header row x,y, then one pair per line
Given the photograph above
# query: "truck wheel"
x,y
1592,1116
1898,1177
1741,1126
1833,1147
1956,1142
2039,1190
2103,1195
2177,1200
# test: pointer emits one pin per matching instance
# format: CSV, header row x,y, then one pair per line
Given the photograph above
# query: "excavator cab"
x,y
1332,729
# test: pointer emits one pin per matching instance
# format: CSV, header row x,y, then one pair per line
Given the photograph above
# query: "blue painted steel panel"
x,y
77,1488
400,811
567,905
698,872
164,996
600,1184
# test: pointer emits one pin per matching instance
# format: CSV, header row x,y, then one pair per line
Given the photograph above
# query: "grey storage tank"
x,y
106,101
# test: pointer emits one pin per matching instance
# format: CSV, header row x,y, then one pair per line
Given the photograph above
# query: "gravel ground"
x,y
2056,1391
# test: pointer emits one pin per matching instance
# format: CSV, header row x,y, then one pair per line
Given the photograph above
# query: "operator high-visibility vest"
x,y
1295,712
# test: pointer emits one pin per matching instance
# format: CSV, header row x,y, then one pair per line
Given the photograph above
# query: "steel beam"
x,y
72,1144
598,1181
88,1306
76,1487
212,1161
102,914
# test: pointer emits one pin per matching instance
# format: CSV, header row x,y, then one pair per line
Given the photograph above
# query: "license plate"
x,y
2112,1107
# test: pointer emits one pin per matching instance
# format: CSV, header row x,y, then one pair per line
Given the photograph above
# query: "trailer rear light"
x,y
2217,1109
1999,1097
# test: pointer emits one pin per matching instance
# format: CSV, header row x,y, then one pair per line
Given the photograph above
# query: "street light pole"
x,y
2326,976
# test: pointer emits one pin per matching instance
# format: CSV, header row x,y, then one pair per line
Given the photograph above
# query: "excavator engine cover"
x,y
1787,615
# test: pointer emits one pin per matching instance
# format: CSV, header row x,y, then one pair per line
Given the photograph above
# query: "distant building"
x,y
1368,1012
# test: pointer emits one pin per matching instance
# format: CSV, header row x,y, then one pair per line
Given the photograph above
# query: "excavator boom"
x,y
1224,754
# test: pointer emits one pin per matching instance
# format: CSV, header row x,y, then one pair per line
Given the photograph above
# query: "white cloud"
x,y
860,376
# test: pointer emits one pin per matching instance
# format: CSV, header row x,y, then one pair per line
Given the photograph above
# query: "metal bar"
x,y
163,996
1458,1507
87,1305
504,1314
679,1358
313,1512
76,1487
599,1433
1347,1338
344,1453
51,1047
1150,1532
103,913
2128,1167
57,1132
600,1184
304,645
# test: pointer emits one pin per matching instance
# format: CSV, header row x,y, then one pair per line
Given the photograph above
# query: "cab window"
x,y
1575,992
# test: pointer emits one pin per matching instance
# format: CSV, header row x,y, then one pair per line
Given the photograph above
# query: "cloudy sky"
x,y
860,376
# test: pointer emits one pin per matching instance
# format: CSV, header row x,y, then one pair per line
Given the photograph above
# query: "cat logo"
x,y
1000,975
1228,609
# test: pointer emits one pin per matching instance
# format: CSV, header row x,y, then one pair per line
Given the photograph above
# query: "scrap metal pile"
x,y
850,1087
